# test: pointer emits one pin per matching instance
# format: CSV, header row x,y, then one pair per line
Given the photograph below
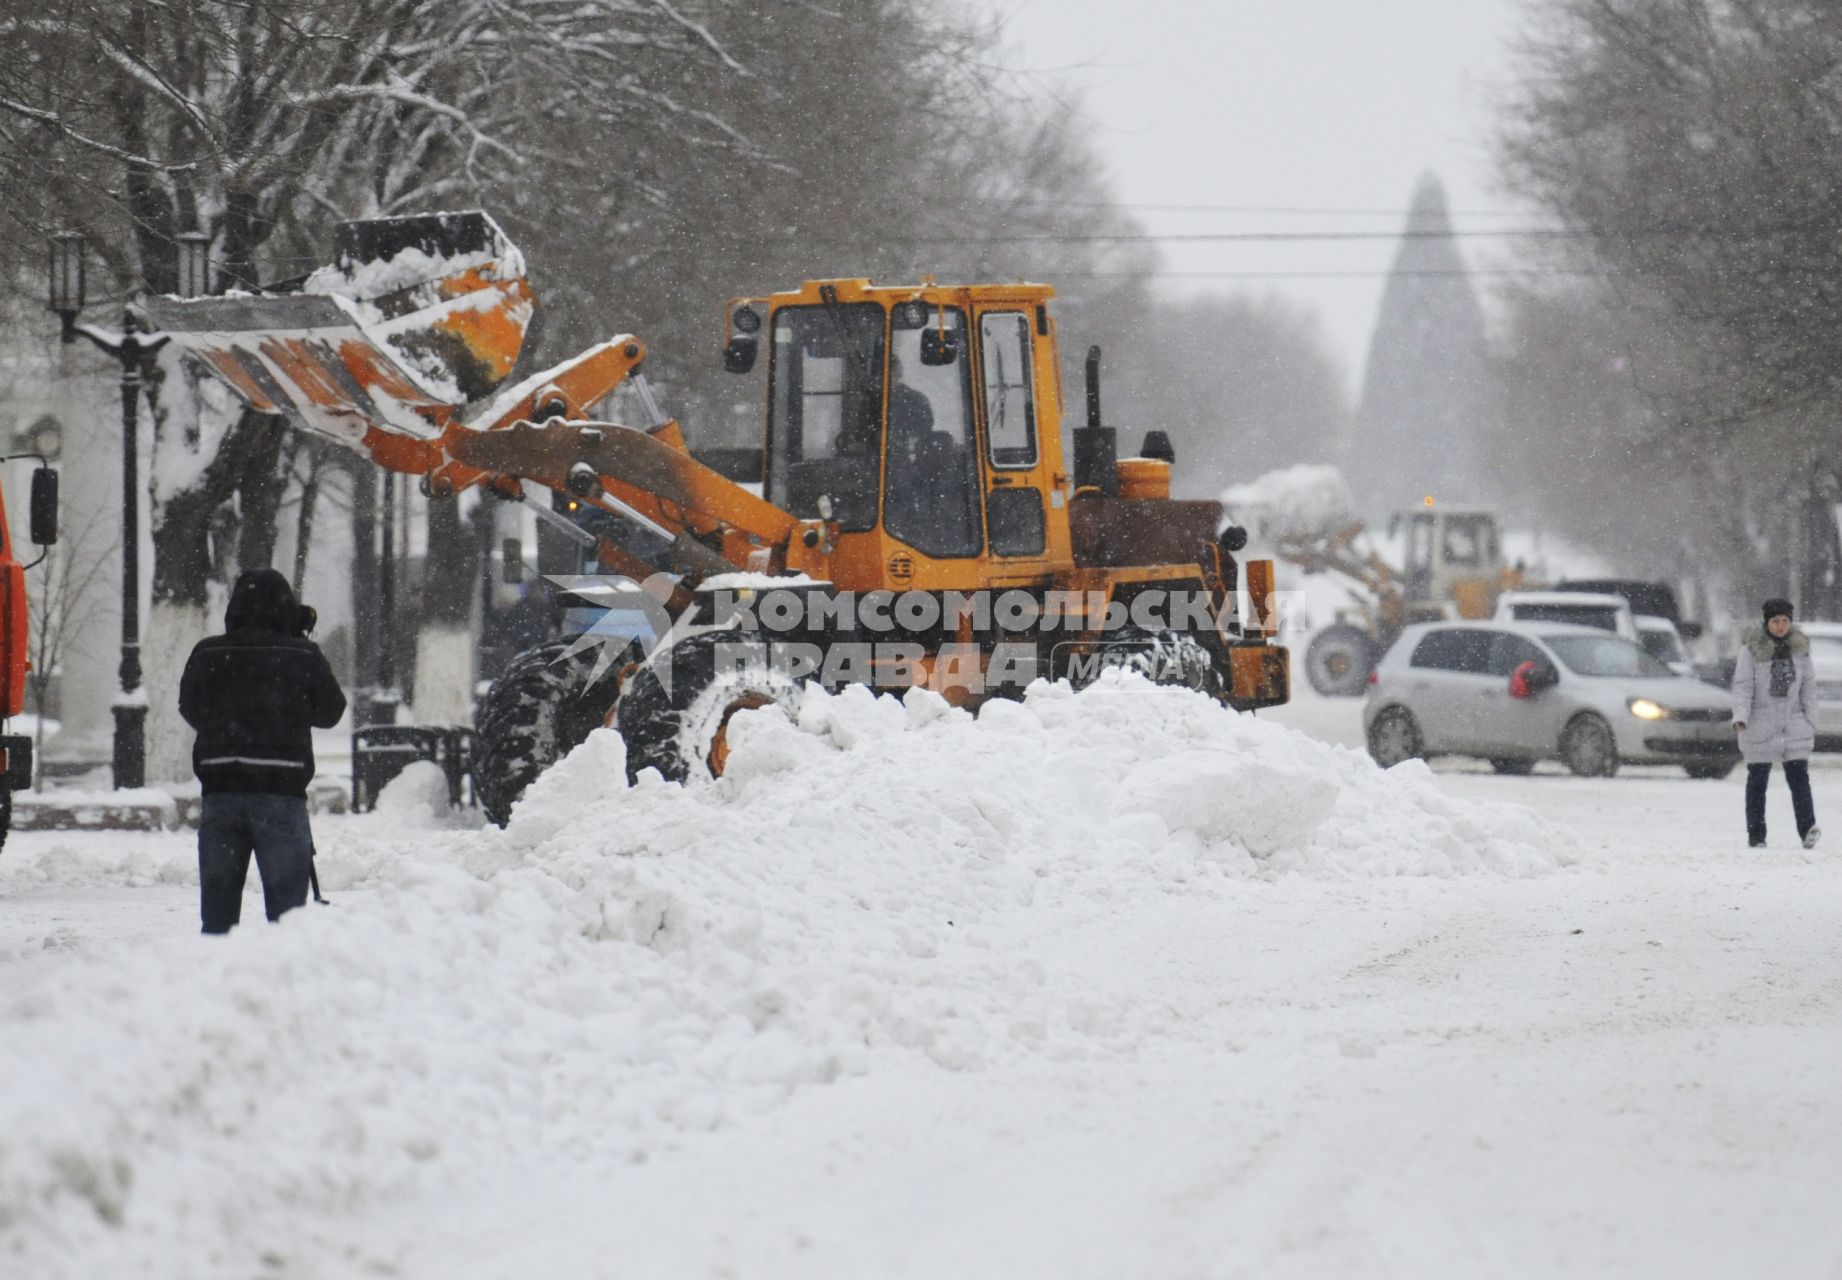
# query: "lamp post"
x,y
130,347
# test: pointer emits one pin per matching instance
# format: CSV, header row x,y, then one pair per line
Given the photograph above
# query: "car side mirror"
x,y
1532,677
939,346
44,507
1690,630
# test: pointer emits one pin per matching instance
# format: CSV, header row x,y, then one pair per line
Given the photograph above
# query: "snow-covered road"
x,y
1152,1060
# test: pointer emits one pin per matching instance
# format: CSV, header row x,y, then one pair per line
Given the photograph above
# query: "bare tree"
x,y
1689,145
69,597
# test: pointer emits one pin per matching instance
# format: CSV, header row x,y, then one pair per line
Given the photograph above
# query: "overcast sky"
x,y
1332,105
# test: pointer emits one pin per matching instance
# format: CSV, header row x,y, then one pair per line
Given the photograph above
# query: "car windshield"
x,y
1605,617
1662,645
1604,656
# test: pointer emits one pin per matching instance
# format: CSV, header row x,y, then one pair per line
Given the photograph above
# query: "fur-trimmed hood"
x,y
1762,644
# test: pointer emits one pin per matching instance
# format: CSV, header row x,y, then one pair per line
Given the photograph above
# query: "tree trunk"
x,y
303,525
205,448
259,493
1819,587
444,640
367,630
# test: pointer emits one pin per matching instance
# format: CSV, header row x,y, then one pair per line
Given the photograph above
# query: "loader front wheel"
x,y
675,711
1162,657
1338,661
546,702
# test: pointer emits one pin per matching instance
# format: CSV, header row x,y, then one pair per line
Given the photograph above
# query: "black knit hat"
x,y
1775,608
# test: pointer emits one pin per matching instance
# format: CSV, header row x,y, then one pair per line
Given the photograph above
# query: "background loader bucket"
x,y
447,236
415,318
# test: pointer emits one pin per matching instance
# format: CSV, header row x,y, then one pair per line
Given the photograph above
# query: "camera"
x,y
306,617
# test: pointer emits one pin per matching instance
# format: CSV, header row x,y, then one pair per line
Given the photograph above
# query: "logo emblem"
x,y
631,611
901,567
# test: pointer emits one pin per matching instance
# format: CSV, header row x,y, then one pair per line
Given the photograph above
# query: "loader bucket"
x,y
416,318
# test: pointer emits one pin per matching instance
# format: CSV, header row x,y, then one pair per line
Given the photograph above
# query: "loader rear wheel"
x,y
546,702
1338,661
675,711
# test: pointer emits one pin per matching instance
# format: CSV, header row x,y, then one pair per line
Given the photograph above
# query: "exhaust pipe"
x,y
1096,448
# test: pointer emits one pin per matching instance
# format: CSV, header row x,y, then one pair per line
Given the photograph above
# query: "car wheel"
x,y
1394,737
1711,772
1514,768
1588,747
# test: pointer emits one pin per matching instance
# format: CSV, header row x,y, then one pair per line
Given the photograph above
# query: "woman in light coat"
x,y
1774,711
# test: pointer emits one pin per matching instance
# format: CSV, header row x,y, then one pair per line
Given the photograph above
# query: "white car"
x,y
1826,657
1581,608
1663,642
1515,693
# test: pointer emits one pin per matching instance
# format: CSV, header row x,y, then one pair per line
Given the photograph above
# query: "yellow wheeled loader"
x,y
1453,569
913,520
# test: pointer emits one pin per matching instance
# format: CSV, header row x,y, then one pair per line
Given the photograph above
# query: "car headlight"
x,y
1645,709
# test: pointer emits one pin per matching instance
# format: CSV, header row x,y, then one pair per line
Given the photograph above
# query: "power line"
x,y
1285,210
1330,275
1286,237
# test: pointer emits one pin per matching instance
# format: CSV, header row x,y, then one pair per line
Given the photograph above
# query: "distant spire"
x,y
1420,421
1427,211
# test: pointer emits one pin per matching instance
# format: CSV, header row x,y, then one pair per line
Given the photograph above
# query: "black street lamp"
x,y
130,348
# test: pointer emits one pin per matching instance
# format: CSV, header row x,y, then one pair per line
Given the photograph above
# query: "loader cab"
x,y
1454,556
923,420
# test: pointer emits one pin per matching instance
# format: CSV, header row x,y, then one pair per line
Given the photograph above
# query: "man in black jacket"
x,y
255,694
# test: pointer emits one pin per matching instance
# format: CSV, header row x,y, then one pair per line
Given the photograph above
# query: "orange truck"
x,y
15,633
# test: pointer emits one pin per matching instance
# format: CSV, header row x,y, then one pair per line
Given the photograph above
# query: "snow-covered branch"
x,y
97,145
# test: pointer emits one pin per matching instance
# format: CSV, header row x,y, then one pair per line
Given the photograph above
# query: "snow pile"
x,y
880,887
1304,499
93,859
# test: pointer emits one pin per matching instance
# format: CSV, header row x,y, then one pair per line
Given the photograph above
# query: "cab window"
x,y
1420,543
1470,542
826,411
931,496
1010,406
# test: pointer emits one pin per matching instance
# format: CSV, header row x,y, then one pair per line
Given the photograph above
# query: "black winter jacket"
x,y
255,693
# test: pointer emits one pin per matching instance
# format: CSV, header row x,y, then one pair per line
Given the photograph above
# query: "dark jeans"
x,y
234,824
1797,774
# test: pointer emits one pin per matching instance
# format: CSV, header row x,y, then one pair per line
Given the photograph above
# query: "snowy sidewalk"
x,y
911,997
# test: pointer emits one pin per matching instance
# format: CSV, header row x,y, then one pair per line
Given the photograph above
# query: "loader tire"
x,y
1174,658
544,705
1338,661
674,712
